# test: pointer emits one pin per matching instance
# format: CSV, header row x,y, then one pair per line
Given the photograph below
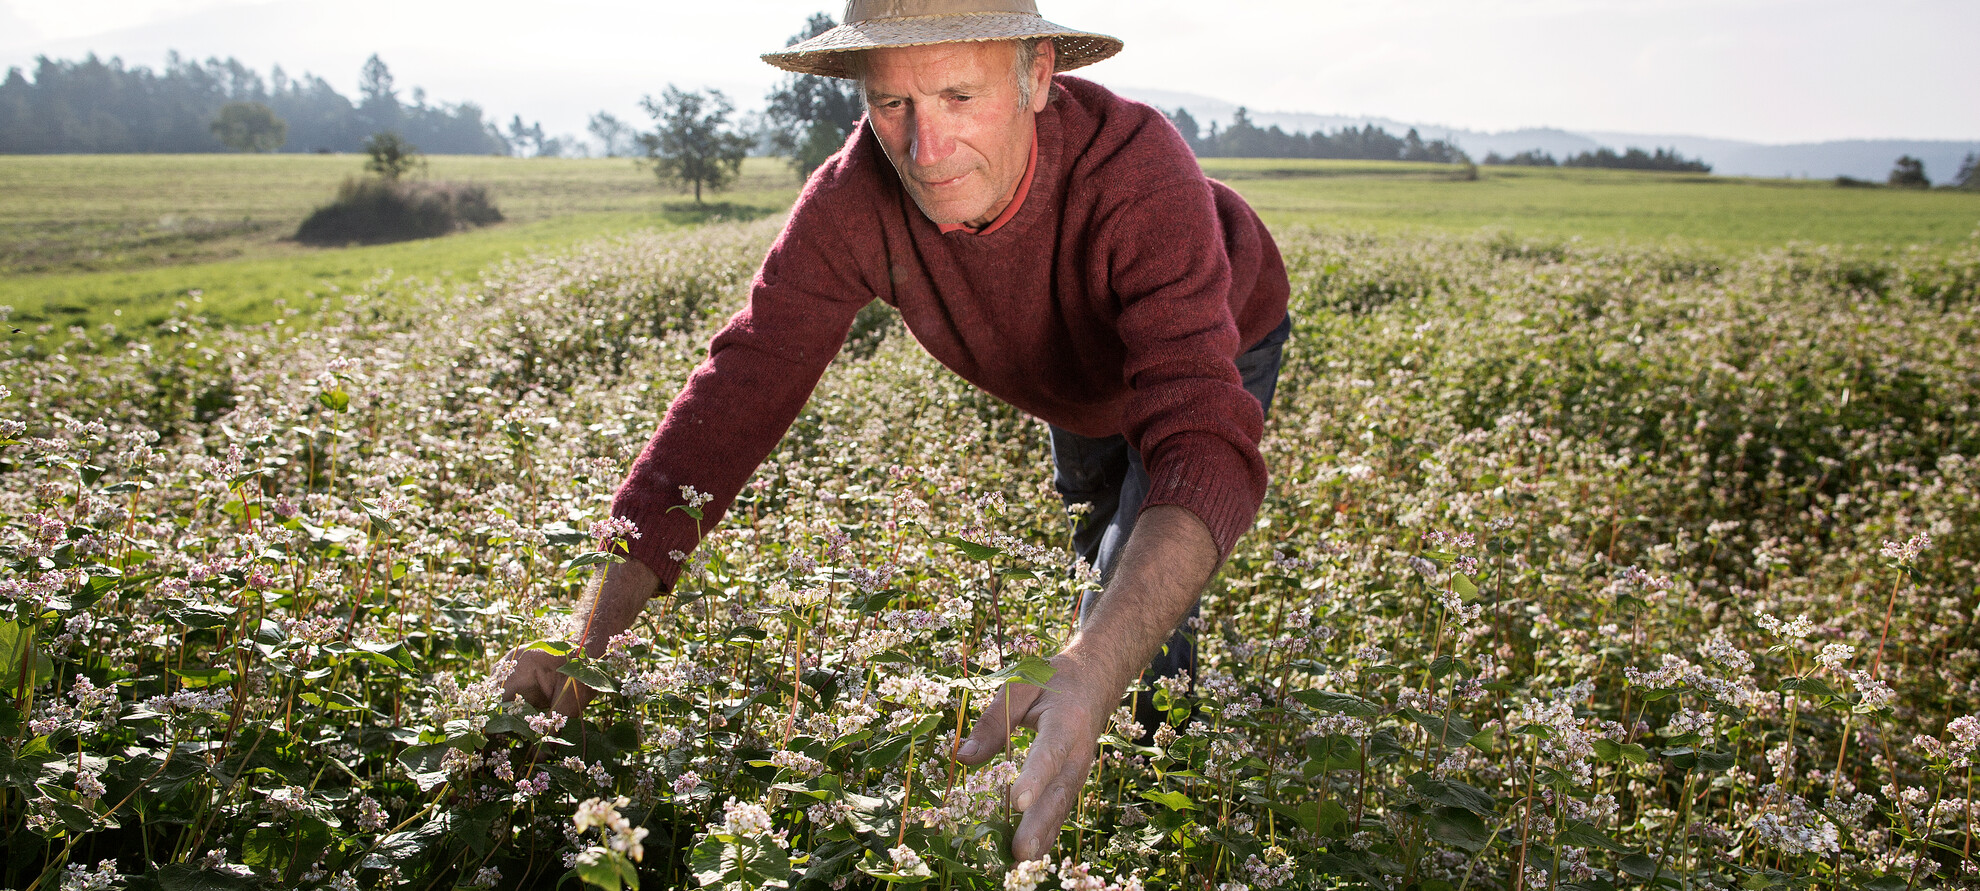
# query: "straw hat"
x,y
870,24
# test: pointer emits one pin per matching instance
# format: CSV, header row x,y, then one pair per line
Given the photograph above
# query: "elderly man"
x,y
1057,246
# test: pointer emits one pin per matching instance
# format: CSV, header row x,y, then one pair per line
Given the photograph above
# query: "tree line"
x,y
1630,159
191,106
1245,139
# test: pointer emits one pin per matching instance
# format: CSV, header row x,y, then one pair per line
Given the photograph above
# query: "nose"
x,y
933,138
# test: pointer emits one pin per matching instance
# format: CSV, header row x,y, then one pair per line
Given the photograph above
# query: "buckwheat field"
x,y
1583,567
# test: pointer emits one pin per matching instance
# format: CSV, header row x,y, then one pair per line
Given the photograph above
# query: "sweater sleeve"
x,y
738,403
1188,415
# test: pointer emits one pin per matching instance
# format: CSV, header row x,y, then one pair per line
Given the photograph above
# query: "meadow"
x,y
95,240
1588,563
92,240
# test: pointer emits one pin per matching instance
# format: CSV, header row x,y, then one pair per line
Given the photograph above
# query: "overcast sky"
x,y
1762,70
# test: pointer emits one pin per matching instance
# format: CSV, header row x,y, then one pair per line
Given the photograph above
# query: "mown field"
x,y
1598,563
92,240
121,240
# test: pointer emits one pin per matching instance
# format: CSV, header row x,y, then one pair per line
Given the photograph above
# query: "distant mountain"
x,y
1868,159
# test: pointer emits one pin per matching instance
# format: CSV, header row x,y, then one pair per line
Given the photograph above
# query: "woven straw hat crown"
x,y
871,24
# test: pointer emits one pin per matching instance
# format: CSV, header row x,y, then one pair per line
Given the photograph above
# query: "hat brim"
x,y
828,54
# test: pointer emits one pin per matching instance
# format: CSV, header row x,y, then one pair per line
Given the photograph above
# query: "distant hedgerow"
x,y
377,211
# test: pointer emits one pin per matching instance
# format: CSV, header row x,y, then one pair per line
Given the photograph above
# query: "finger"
x,y
1007,711
1048,787
526,683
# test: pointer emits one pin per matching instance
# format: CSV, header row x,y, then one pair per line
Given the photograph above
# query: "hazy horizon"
x,y
1767,71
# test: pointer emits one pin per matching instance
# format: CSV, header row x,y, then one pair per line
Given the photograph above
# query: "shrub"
x,y
377,211
1909,173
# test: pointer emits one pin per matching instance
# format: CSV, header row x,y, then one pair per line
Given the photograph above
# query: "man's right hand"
x,y
608,610
537,681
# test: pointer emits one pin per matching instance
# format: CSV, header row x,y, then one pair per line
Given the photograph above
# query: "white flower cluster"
x,y
798,763
1907,552
916,691
745,819
1796,829
1799,629
80,878
908,863
619,832
1026,875
1080,877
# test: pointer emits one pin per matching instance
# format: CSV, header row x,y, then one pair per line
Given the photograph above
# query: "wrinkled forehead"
x,y
974,66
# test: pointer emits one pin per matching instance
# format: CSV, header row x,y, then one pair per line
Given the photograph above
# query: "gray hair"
x,y
1023,70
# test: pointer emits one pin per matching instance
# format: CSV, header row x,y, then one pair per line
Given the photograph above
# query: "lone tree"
x,y
1909,173
391,155
693,144
250,127
811,116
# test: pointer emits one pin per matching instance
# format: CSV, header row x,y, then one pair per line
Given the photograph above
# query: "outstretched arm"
x,y
611,606
1168,561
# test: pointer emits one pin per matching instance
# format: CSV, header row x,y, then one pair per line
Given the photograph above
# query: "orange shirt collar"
x,y
1017,199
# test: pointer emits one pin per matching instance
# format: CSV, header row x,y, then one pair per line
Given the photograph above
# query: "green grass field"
x,y
122,240
1598,205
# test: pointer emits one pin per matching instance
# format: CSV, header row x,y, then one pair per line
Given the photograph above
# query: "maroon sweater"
x,y
1114,302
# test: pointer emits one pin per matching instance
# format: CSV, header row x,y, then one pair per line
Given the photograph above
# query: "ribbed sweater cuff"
x,y
660,533
1217,491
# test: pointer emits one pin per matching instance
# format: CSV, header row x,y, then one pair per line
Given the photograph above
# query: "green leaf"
x,y
203,677
1031,669
404,847
1451,731
725,861
553,647
1175,801
16,643
199,616
1463,584
1687,758
588,674
1610,750
335,400
1332,820
1458,827
185,877
576,565
1454,794
1810,686
607,869
1584,835
1338,703
424,764
283,850
975,552
333,700
563,535
390,655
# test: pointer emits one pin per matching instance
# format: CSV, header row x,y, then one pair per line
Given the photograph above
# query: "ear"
x,y
1041,75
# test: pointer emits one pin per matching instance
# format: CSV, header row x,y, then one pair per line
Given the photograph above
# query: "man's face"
x,y
948,117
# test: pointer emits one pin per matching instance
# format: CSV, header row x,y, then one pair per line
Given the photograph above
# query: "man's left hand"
x,y
1069,716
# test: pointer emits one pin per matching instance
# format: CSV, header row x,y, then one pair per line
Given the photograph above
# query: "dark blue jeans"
x,y
1106,475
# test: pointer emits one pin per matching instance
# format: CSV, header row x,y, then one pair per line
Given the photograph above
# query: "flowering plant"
x,y
1583,567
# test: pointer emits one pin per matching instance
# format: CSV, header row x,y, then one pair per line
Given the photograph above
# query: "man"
x,y
1059,247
